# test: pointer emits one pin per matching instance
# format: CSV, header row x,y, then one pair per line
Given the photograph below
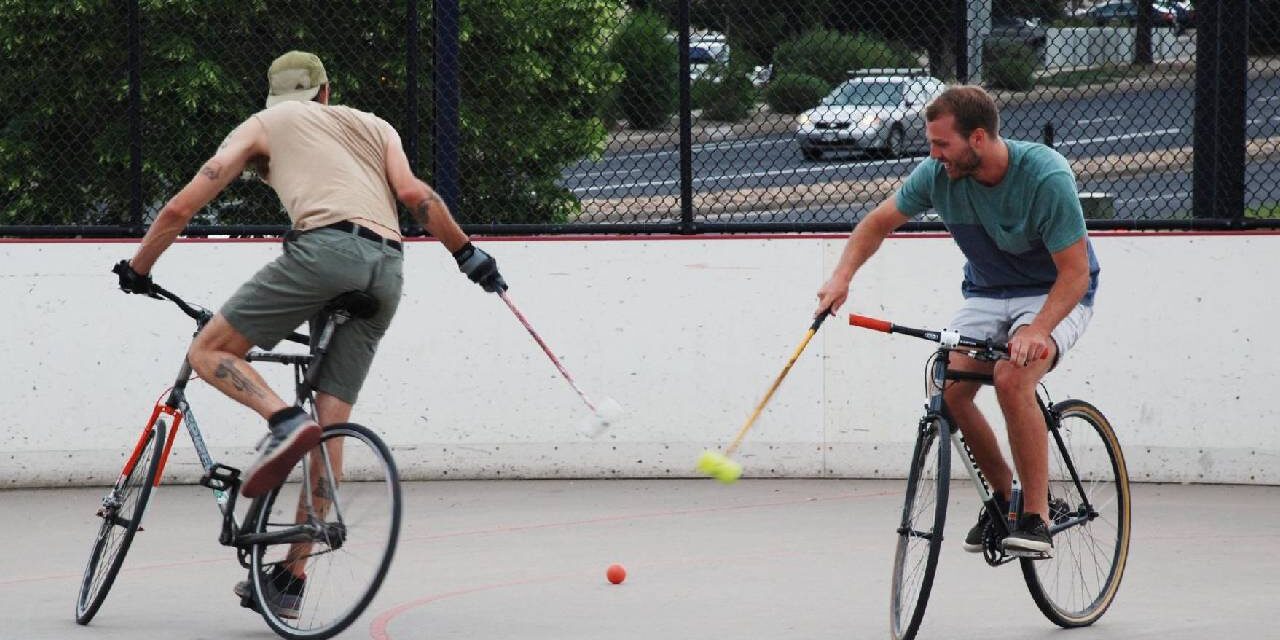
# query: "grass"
x,y
1265,212
1097,75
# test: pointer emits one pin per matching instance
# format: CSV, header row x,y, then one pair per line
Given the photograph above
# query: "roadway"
x,y
1104,125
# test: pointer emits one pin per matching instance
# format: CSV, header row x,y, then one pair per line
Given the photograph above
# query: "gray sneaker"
x,y
282,449
283,593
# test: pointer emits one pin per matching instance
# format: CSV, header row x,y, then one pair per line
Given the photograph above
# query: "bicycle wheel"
x,y
920,534
352,513
1090,519
121,513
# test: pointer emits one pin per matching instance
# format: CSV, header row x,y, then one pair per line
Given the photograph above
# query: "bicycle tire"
x,y
107,553
1077,585
366,472
914,565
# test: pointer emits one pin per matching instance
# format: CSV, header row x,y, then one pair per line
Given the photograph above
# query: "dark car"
x,y
1125,13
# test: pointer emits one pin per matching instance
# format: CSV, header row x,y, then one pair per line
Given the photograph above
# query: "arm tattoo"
x,y
227,370
211,169
422,211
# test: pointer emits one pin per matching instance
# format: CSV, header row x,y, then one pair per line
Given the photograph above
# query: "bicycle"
x,y
343,529
1088,499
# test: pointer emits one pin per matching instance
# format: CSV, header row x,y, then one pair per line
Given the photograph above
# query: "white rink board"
x,y
687,333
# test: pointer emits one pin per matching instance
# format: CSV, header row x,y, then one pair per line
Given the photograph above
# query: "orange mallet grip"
x,y
870,323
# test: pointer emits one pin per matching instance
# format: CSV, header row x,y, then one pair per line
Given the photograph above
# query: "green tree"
x,y
532,73
650,66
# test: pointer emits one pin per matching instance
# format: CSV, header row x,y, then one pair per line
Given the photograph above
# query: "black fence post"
x,y
135,117
686,124
960,20
413,67
1220,103
445,89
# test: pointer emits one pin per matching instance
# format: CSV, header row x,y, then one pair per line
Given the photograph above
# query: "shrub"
x,y
831,55
725,94
650,67
1009,66
794,92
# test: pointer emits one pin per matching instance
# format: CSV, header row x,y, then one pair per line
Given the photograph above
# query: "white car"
x,y
877,110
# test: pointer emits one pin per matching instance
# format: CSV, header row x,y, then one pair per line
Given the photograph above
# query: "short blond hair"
x,y
972,107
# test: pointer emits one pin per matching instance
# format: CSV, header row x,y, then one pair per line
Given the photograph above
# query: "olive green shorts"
x,y
315,267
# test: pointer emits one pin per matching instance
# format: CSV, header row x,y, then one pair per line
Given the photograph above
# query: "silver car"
x,y
878,110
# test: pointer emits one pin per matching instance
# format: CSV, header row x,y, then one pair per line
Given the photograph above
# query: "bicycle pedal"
x,y
1030,555
221,478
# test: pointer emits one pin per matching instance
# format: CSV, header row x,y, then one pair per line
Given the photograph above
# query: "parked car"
x,y
1015,30
1184,14
1125,13
876,110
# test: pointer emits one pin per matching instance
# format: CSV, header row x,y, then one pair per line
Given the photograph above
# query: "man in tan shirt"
x,y
338,171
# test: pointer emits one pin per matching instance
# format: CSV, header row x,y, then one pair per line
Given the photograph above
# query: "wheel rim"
x,y
1082,577
344,572
115,535
911,570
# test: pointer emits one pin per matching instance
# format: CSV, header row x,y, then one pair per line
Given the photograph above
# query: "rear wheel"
x,y
350,519
1090,519
920,533
121,514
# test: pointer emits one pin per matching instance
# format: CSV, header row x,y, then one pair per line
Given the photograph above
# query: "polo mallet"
x,y
603,414
719,465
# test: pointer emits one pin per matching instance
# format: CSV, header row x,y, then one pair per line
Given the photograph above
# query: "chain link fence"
x,y
643,115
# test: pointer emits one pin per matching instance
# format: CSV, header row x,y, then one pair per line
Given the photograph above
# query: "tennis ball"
x,y
615,573
719,466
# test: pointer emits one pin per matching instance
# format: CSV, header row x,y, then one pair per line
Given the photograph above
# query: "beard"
x,y
963,166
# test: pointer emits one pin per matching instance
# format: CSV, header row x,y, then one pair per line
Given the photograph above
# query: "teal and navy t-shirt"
x,y
1007,232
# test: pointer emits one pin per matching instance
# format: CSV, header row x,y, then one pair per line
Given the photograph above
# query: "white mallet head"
x,y
608,412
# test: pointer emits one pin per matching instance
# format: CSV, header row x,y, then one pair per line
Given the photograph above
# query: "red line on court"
x,y
378,627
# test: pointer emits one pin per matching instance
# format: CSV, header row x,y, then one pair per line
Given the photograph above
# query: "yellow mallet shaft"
x,y
737,440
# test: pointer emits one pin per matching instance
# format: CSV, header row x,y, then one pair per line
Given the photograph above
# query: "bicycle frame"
x,y
936,411
222,479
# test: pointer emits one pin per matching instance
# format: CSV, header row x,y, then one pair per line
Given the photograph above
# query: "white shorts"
x,y
997,319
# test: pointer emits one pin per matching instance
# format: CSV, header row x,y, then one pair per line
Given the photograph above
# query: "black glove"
x,y
131,281
480,267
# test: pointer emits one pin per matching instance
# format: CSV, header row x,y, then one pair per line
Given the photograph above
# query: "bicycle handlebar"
x,y
202,315
948,339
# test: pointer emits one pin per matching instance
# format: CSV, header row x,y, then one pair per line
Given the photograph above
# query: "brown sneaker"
x,y
286,445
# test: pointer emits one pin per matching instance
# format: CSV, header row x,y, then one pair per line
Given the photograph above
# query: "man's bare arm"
x,y
1069,287
865,240
248,141
422,201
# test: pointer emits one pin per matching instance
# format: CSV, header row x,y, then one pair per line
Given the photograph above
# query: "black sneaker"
x,y
283,593
973,541
1030,538
283,448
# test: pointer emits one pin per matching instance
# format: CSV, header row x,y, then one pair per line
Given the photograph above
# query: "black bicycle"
x,y
1088,499
340,534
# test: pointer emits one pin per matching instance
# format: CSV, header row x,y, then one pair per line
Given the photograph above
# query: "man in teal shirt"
x,y
1013,209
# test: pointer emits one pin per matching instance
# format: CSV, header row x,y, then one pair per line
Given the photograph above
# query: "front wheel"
x,y
1089,510
920,532
344,499
121,513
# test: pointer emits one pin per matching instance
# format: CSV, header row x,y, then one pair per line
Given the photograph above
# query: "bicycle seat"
x,y
357,303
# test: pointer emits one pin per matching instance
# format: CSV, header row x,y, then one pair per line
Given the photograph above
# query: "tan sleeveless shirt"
x,y
328,164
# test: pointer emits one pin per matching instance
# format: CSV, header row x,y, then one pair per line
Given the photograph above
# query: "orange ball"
x,y
615,573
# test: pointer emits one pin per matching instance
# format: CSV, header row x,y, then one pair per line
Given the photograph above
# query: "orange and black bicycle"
x,y
333,544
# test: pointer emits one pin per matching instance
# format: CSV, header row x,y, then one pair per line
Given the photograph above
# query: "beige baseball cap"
x,y
296,75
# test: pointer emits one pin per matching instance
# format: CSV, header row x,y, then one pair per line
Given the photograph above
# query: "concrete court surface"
x,y
775,559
